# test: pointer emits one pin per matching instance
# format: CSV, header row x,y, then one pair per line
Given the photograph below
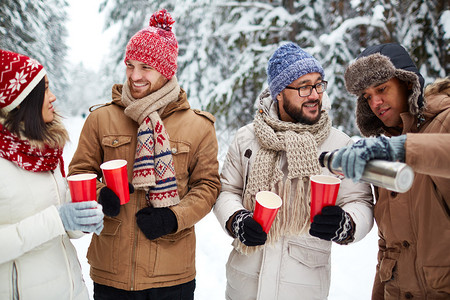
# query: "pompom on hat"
x,y
19,75
156,45
288,63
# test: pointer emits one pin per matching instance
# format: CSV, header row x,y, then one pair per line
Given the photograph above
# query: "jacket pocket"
x,y
175,253
180,153
245,266
438,278
386,270
116,146
309,256
307,268
103,253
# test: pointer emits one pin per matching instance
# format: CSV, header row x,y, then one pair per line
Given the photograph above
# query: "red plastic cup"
x,y
324,190
116,178
83,187
266,208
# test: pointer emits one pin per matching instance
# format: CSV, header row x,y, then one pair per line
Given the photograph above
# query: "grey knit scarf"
x,y
300,142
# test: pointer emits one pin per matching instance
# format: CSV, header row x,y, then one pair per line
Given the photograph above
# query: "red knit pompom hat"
x,y
19,75
156,45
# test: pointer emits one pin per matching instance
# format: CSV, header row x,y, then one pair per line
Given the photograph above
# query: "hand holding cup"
x,y
266,208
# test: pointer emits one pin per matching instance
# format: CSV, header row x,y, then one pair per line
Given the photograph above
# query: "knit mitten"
x,y
249,232
156,222
110,201
353,159
85,216
333,224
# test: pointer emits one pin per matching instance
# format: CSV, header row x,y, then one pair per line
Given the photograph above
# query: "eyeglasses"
x,y
306,90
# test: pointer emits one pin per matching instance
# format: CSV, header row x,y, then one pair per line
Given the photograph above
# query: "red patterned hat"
x,y
19,75
156,45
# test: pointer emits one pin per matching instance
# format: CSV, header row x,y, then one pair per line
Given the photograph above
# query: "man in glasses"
x,y
278,152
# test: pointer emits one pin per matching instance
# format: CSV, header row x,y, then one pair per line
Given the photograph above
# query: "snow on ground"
x,y
352,266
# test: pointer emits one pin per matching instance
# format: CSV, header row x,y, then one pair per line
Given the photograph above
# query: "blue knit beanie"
x,y
288,63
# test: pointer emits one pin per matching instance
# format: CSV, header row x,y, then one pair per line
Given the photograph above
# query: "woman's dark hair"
x,y
27,117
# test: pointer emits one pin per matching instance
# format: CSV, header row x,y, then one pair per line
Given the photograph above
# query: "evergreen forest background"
x,y
224,46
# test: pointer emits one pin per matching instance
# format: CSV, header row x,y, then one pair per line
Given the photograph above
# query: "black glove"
x,y
110,201
334,224
247,229
156,222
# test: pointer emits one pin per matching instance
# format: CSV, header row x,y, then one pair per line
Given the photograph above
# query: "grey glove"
x,y
353,158
85,216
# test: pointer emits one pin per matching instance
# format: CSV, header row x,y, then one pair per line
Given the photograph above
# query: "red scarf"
x,y
28,157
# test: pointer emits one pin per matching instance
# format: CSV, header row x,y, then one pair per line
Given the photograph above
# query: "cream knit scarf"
x,y
300,142
153,169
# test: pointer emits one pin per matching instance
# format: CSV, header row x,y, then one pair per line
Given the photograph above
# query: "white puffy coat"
x,y
295,267
37,259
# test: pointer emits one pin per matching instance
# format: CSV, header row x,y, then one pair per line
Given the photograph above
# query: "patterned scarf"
x,y
28,157
153,169
300,143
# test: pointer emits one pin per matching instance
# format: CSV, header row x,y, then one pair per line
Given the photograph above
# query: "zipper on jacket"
x,y
247,154
57,187
71,280
133,254
15,288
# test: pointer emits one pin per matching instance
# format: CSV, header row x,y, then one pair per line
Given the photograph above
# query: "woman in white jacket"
x,y
37,259
278,152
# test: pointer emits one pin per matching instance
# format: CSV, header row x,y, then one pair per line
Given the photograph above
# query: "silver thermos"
x,y
394,176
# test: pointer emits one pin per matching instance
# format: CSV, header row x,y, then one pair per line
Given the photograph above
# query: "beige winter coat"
x,y
295,267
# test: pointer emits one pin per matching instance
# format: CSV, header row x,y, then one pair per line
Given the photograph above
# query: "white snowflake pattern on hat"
x,y
19,75
2,98
16,82
34,64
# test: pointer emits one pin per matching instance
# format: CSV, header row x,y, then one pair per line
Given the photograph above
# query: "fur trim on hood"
x,y
374,66
57,134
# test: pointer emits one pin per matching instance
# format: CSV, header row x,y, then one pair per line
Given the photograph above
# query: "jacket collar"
x,y
436,103
181,104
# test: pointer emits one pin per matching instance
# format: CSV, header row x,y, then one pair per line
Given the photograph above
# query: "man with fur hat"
x,y
412,127
278,152
147,248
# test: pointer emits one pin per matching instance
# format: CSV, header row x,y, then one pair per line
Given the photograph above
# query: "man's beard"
x,y
299,116
139,94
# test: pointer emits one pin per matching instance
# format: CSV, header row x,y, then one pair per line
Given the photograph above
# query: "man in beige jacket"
x,y
147,247
279,152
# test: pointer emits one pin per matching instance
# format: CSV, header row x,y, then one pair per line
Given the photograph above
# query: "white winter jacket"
x,y
296,267
37,259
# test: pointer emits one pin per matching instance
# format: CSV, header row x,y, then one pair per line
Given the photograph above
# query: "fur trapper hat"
x,y
374,66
